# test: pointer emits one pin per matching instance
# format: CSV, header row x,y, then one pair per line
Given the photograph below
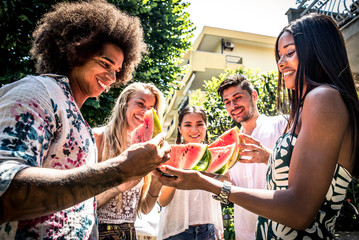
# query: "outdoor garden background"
x,y
168,33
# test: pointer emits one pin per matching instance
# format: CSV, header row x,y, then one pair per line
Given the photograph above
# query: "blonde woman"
x,y
117,207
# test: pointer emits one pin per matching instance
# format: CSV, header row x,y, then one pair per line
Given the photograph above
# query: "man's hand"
x,y
142,158
253,150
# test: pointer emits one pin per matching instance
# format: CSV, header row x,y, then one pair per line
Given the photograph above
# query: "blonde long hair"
x,y
115,139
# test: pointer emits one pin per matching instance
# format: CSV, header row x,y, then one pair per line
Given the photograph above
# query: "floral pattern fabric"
x,y
41,126
277,179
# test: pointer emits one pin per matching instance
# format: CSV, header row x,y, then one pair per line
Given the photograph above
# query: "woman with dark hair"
x,y
190,214
312,164
196,111
48,170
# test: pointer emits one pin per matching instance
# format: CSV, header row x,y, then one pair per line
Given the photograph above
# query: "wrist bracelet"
x,y
152,195
223,195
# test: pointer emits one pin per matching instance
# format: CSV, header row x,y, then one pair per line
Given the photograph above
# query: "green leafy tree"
x,y
348,219
17,21
167,32
228,224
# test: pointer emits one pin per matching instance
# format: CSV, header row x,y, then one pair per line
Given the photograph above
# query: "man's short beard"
x,y
246,117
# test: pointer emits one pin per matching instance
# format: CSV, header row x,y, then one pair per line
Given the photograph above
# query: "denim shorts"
x,y
199,232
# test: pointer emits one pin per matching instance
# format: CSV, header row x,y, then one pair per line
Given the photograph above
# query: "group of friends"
x,y
60,179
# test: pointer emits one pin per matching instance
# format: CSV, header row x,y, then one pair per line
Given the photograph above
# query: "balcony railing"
x,y
341,11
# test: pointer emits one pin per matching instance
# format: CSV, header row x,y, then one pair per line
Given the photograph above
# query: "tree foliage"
x,y
167,33
218,118
348,219
17,21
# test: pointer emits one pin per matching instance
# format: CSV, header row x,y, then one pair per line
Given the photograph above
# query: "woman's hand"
x,y
151,195
105,196
188,179
127,185
219,177
182,179
155,181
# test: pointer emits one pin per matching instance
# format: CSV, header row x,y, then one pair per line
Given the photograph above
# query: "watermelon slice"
x,y
222,157
150,127
194,156
227,138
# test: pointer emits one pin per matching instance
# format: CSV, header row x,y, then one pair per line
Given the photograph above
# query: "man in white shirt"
x,y
260,133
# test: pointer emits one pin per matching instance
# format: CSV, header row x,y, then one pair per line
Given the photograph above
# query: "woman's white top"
x,y
121,208
190,207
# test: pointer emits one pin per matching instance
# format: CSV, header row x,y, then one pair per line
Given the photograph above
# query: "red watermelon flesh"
x,y
150,127
221,158
190,156
227,138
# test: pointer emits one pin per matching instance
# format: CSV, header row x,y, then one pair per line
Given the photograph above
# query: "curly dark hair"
x,y
74,32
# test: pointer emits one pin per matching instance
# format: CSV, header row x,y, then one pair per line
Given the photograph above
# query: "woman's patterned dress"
x,y
277,179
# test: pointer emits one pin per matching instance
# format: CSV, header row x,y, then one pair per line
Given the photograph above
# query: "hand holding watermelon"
x,y
148,135
194,156
142,158
253,151
188,179
218,157
150,127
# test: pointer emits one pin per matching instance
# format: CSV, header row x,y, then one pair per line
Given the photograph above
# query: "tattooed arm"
x,y
38,191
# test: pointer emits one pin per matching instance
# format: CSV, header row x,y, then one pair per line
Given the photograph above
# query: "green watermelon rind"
x,y
205,161
157,128
184,159
239,150
219,143
138,134
223,169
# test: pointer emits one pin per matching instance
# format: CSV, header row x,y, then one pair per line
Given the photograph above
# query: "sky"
x,y
266,17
